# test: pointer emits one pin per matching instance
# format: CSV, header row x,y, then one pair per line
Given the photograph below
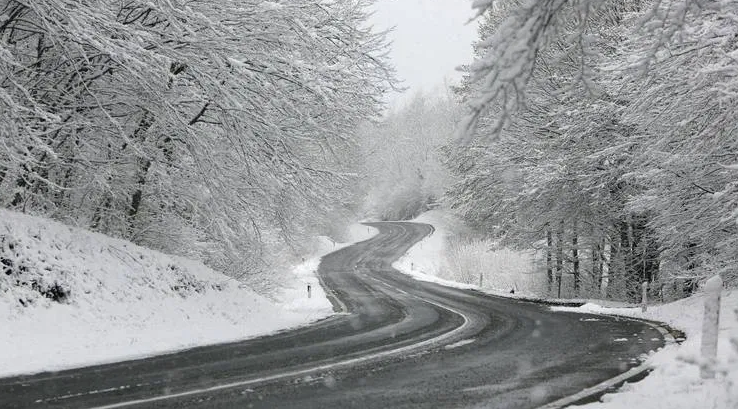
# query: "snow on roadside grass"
x,y
446,259
675,382
424,261
70,298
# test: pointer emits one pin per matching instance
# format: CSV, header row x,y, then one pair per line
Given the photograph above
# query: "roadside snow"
x,y
675,382
445,258
424,261
124,301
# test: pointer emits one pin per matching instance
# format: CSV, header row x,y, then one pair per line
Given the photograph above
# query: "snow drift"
x,y
70,297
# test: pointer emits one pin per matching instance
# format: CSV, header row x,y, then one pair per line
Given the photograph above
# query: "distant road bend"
x,y
401,343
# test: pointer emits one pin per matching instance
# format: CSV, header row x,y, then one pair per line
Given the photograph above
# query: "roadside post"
x,y
310,291
711,320
644,296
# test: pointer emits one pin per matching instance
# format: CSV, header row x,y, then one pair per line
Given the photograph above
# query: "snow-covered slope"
x,y
69,297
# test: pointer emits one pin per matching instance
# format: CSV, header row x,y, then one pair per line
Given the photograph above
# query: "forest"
x,y
214,129
609,137
600,133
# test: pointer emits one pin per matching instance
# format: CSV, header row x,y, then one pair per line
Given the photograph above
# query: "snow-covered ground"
x,y
424,261
70,298
446,258
674,383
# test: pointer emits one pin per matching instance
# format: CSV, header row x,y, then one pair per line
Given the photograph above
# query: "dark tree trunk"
x,y
21,185
96,223
575,258
596,264
559,258
549,260
143,169
138,193
627,255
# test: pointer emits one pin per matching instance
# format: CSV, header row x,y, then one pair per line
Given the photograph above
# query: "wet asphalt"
x,y
395,342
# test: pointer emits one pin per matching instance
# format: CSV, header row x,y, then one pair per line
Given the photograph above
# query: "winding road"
x,y
395,343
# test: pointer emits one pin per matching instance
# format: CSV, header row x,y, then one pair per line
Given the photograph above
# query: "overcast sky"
x,y
430,40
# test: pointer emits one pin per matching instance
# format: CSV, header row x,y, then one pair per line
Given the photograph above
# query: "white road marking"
x,y
76,395
459,343
302,372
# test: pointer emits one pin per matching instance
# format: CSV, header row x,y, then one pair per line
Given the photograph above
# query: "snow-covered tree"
x,y
619,118
401,157
185,126
568,97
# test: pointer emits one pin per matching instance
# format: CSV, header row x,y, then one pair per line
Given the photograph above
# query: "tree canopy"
x,y
616,123
209,128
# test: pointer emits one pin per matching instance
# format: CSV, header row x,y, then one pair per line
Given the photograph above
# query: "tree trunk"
x,y
137,195
559,258
630,235
575,258
97,217
596,272
605,267
3,173
18,198
549,260
143,169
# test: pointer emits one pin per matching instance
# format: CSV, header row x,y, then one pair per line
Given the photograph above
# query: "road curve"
x,y
398,343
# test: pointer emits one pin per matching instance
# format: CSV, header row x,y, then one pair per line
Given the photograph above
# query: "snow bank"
x,y
70,298
675,382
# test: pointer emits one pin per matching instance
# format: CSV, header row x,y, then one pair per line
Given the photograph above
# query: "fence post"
x,y
644,296
713,288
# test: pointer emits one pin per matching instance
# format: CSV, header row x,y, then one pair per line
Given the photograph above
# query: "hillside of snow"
x,y
70,297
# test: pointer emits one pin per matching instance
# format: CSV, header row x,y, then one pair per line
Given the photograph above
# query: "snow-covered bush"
x,y
453,253
501,268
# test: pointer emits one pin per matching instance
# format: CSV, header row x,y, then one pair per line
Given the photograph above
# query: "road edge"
x,y
586,395
437,340
615,383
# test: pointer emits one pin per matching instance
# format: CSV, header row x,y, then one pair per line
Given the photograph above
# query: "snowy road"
x,y
400,343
